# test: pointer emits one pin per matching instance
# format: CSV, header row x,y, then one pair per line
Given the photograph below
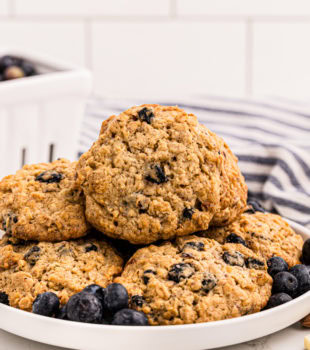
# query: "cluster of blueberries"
x,y
289,283
12,67
93,304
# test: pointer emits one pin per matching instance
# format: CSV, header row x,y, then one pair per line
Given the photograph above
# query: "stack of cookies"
x,y
171,190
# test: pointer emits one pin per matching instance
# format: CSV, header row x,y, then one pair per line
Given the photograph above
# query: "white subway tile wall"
x,y
171,47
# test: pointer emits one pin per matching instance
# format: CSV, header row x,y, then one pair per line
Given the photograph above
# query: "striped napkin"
x,y
271,138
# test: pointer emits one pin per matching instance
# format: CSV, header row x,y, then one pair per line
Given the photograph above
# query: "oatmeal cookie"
x,y
194,280
154,173
42,202
266,234
65,268
233,189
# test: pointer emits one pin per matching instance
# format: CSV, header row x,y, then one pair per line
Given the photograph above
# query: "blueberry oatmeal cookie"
x,y
194,280
42,202
65,268
234,190
154,173
266,234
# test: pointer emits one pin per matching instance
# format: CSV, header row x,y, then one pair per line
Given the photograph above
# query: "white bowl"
x,y
209,335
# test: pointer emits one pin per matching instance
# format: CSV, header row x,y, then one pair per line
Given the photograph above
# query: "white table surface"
x,y
291,338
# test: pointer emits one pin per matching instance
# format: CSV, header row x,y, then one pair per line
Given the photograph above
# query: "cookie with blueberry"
x,y
195,279
29,269
43,202
154,173
268,235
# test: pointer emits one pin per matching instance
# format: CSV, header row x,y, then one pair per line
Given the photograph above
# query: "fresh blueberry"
x,y
302,274
254,206
306,252
4,298
84,307
62,313
8,61
28,69
128,317
115,298
278,299
46,304
276,264
285,282
233,238
96,290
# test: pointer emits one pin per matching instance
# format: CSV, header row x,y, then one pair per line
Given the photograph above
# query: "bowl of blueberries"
x,y
13,67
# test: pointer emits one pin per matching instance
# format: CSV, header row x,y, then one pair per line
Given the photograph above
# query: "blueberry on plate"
x,y
84,307
96,290
62,313
276,264
128,317
278,299
46,304
302,274
115,298
305,257
285,282
4,298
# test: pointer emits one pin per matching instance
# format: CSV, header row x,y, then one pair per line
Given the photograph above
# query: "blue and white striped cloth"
x,y
271,138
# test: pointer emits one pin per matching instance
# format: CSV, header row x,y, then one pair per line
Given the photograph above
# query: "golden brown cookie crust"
x,y
154,173
64,268
233,189
42,202
266,234
196,280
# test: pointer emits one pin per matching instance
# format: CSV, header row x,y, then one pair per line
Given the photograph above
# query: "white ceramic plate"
x,y
201,336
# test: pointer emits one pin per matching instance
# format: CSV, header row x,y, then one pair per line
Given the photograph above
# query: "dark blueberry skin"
x,y
28,68
96,290
128,317
115,298
8,61
256,264
305,257
302,274
146,115
233,238
254,207
32,255
84,307
188,213
62,313
285,282
147,278
236,259
4,298
91,248
180,271
194,245
49,176
276,264
160,174
137,300
46,304
278,299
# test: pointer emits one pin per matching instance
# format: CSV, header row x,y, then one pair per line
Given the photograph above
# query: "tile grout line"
x,y
249,57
